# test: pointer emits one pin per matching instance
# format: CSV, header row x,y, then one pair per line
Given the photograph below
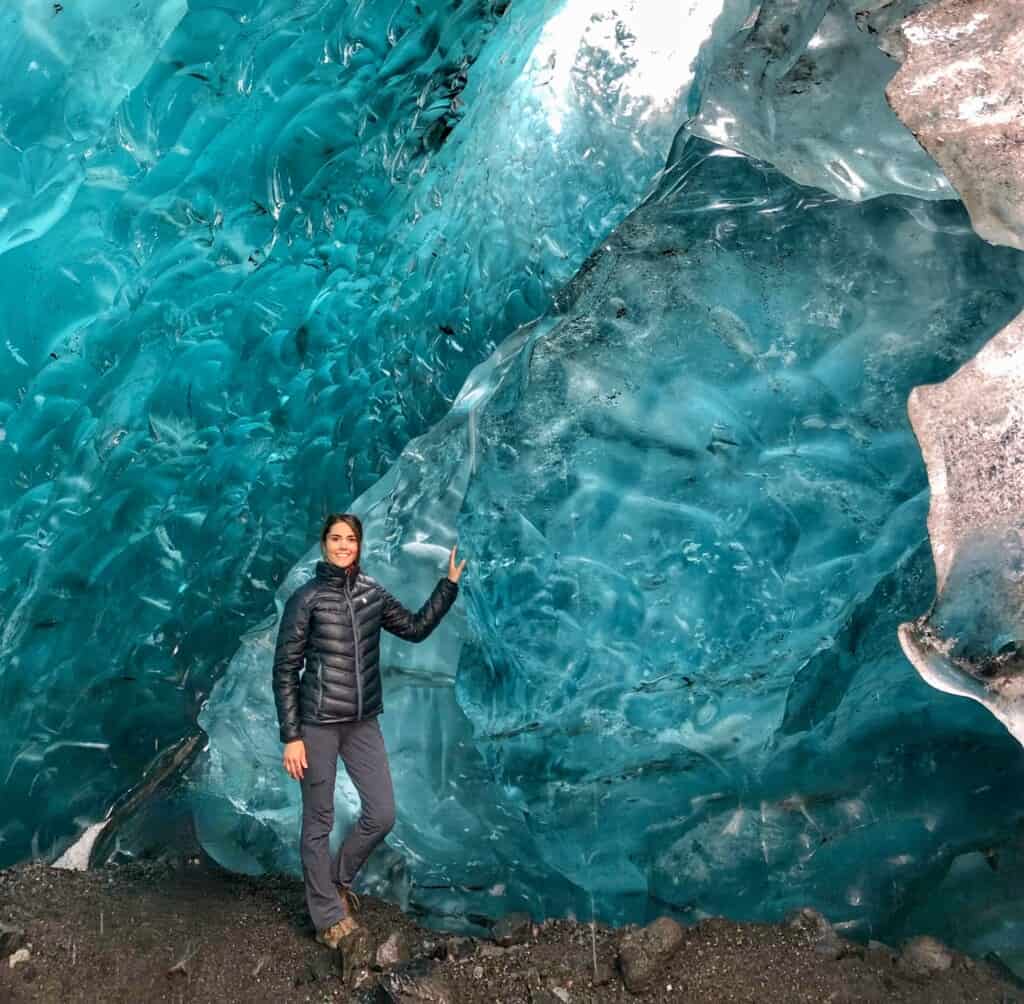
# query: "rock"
x,y
356,955
478,972
492,951
323,967
880,953
414,982
459,947
393,951
513,929
960,92
20,956
532,979
11,938
644,952
810,922
605,973
926,955
543,996
552,995
818,930
999,969
971,432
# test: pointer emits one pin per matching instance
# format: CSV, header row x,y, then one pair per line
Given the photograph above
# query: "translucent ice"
x,y
251,251
799,86
695,512
75,64
281,238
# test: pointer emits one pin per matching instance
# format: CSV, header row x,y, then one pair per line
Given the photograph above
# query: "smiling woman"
x,y
333,625
340,543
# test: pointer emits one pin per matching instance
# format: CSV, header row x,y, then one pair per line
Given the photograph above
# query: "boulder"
x,y
513,929
644,953
926,955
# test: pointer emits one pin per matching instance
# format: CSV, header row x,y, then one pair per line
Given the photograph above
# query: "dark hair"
x,y
350,519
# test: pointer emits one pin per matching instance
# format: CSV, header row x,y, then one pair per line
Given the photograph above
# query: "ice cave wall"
x,y
239,277
690,494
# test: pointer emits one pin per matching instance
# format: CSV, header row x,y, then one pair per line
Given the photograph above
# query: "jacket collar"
x,y
332,575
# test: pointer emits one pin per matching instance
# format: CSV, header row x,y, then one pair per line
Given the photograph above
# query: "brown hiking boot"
x,y
333,936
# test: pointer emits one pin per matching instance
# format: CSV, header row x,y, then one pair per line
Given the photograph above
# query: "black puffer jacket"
x,y
333,622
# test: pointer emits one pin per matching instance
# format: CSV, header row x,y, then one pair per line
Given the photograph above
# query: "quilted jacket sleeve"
x,y
289,654
417,626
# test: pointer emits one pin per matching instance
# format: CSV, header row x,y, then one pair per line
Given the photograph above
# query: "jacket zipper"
x,y
320,682
355,638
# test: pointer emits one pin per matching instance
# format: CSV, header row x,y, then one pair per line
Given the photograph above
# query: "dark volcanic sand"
x,y
160,932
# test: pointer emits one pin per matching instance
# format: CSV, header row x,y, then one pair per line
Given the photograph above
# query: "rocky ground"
x,y
192,932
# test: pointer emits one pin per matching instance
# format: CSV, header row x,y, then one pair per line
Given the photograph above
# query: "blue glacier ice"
x,y
695,515
802,85
629,301
273,250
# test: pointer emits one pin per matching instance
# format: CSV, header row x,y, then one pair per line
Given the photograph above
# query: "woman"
x,y
333,624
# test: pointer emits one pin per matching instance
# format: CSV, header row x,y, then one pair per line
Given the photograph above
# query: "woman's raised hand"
x,y
453,571
295,758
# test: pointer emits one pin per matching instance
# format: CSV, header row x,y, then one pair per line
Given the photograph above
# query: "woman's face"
x,y
341,546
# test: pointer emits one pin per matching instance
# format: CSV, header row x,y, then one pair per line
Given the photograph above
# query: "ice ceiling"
x,y
627,298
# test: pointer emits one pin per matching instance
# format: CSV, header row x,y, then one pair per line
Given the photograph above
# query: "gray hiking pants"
x,y
361,747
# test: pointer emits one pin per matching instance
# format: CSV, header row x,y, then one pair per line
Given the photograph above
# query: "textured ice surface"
x,y
800,87
73,68
695,515
250,250
248,256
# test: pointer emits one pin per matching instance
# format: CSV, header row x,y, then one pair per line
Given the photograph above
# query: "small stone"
x,y
817,928
458,947
478,972
513,929
393,951
925,954
543,995
323,967
493,951
11,938
356,955
810,922
414,988
643,953
21,955
414,982
831,947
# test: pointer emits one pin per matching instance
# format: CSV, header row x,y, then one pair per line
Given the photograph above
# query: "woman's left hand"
x,y
455,571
